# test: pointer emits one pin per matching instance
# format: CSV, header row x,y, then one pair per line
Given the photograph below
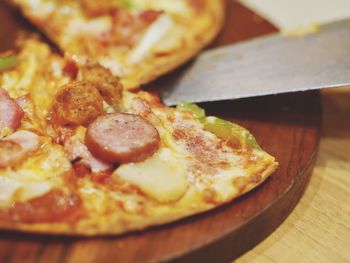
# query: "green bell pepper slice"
x,y
232,133
197,111
8,62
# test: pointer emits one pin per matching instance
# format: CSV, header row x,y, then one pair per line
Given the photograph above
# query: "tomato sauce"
x,y
55,206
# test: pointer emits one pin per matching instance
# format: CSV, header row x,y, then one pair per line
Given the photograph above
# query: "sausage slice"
x,y
122,138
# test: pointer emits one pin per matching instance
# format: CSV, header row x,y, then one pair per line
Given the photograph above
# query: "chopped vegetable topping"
x,y
8,62
232,133
197,111
125,3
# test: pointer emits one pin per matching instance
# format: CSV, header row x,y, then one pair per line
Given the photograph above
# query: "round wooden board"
x,y
287,126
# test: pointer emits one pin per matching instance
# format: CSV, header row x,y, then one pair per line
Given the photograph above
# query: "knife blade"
x,y
267,65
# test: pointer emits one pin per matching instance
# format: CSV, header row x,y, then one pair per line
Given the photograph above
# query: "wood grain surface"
x,y
318,230
287,126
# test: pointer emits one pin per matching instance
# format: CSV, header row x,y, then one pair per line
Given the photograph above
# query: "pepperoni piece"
x,y
54,206
78,103
16,147
122,138
10,112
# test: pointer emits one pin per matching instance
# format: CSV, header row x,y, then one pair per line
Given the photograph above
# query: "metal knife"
x,y
266,65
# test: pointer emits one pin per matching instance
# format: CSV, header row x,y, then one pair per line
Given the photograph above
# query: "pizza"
x,y
138,40
81,155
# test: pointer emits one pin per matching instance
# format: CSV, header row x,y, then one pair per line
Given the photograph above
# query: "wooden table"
x,y
318,230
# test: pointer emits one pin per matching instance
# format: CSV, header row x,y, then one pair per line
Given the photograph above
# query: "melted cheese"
x,y
154,33
113,65
4,131
41,8
170,6
36,176
48,165
161,177
7,189
95,27
171,41
17,190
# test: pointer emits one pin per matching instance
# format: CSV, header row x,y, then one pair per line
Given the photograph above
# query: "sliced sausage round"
x,y
122,138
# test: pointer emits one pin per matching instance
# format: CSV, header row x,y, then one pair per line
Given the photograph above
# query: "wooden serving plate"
x,y
287,126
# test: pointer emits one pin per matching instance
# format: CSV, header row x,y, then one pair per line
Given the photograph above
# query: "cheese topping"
x,y
153,34
40,7
172,6
162,177
113,65
37,175
94,27
18,190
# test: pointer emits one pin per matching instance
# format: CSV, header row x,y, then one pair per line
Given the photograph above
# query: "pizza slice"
x,y
81,155
138,40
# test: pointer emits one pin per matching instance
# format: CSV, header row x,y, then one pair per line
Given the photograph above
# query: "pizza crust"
x,y
122,223
205,25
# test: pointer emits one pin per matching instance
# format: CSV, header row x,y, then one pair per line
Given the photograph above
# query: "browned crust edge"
x,y
135,223
156,66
